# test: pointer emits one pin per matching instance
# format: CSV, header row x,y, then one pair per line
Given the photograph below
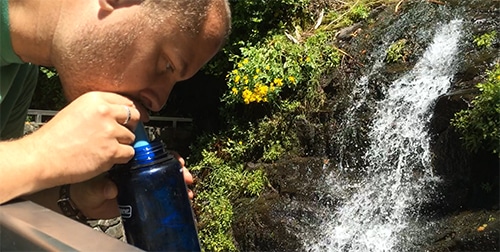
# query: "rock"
x,y
277,220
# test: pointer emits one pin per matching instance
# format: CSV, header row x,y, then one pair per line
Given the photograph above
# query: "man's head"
x,y
136,48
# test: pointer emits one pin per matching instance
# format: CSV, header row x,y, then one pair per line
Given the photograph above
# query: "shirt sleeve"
x,y
25,83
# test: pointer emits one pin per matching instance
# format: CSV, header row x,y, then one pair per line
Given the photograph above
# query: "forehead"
x,y
190,46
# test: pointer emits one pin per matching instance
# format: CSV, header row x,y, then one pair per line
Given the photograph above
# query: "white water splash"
x,y
399,173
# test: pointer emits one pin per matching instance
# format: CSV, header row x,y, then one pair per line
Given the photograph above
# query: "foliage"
x,y
226,181
253,21
486,39
48,92
359,11
348,13
262,72
397,51
480,126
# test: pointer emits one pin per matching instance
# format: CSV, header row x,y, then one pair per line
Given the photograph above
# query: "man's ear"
x,y
108,5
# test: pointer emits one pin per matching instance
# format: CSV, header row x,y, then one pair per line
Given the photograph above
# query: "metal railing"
x,y
42,116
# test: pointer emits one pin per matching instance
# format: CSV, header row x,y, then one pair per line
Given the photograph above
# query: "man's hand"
x,y
82,141
96,198
86,138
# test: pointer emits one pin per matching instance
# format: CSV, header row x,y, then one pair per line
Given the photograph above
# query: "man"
x,y
116,59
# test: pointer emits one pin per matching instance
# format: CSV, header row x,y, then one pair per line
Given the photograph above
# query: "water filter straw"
x,y
141,137
143,150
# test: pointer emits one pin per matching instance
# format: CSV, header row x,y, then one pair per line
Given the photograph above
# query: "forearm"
x,y
20,170
47,198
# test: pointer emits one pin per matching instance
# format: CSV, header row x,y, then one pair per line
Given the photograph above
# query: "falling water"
x,y
399,175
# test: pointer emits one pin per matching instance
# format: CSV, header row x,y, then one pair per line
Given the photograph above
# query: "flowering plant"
x,y
263,72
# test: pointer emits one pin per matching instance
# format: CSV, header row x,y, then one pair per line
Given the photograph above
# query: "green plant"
x,y
349,12
486,39
225,181
358,12
48,92
397,51
263,72
253,21
480,126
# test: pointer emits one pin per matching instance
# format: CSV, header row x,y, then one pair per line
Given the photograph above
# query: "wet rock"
x,y
467,231
277,220
348,32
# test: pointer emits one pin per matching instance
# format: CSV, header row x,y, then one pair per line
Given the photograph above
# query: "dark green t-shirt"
x,y
17,82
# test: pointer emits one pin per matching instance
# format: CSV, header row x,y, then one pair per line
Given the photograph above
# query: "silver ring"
x,y
128,115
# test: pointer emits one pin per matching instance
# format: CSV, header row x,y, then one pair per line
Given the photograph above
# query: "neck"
x,y
32,27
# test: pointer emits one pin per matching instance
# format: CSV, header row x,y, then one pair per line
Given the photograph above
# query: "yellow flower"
x,y
268,67
261,90
237,79
240,142
234,90
245,61
308,59
240,65
255,77
235,71
253,98
278,82
291,79
246,95
257,70
258,98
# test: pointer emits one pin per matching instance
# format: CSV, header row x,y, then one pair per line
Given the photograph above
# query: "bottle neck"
x,y
147,155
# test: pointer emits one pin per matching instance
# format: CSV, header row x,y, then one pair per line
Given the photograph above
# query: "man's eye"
x,y
168,67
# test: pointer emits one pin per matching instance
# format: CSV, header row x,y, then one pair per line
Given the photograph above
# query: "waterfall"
x,y
398,170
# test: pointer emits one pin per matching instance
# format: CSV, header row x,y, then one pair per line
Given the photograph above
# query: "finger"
x,y
97,197
123,154
190,194
127,116
119,99
188,178
144,113
110,191
126,137
179,158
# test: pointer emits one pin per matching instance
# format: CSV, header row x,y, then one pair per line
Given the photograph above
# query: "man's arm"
x,y
82,141
21,169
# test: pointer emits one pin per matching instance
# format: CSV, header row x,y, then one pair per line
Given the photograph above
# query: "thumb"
x,y
110,191
96,198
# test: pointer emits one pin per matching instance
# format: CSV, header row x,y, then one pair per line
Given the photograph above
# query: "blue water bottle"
x,y
153,200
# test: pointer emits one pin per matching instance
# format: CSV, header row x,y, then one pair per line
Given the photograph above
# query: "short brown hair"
x,y
190,15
